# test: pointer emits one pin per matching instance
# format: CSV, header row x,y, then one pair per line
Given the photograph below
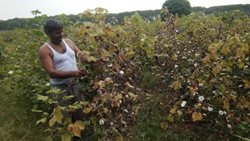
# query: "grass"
x,y
16,123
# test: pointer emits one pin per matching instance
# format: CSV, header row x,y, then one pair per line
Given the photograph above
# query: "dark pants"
x,y
69,90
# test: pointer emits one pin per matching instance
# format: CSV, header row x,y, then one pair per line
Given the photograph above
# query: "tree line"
x,y
112,18
217,9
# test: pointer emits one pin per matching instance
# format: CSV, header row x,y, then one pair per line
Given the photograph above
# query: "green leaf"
x,y
91,59
52,121
245,48
94,120
173,111
66,137
226,105
241,64
36,111
170,118
43,120
104,53
55,91
49,138
37,32
86,122
242,138
118,97
132,95
164,125
87,110
58,114
176,85
68,97
225,49
213,48
76,24
179,114
119,138
67,121
42,98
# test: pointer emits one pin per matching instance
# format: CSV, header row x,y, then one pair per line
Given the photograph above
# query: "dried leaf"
x,y
129,86
206,60
122,57
174,58
73,129
176,85
197,116
247,83
80,125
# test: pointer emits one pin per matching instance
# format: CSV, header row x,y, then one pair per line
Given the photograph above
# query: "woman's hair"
x,y
52,25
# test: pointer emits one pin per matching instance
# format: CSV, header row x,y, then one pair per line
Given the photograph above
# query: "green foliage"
x,y
180,7
149,15
180,79
225,8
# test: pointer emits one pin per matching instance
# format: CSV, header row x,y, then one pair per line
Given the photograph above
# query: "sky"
x,y
22,8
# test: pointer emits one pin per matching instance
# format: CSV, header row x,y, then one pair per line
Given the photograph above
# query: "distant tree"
x,y
199,9
225,8
180,7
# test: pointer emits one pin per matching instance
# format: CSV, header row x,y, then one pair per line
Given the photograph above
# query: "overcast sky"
x,y
22,8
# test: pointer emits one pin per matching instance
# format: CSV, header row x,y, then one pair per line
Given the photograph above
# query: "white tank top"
x,y
63,62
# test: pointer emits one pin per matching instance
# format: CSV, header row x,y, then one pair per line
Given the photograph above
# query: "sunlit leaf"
x,y
73,129
174,58
91,59
80,125
58,114
225,49
68,97
42,98
131,53
170,118
129,86
206,59
240,53
118,97
241,64
132,95
245,48
173,110
246,83
87,110
104,53
176,85
43,120
197,116
106,110
52,121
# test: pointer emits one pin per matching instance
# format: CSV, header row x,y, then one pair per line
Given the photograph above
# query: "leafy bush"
x,y
159,80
